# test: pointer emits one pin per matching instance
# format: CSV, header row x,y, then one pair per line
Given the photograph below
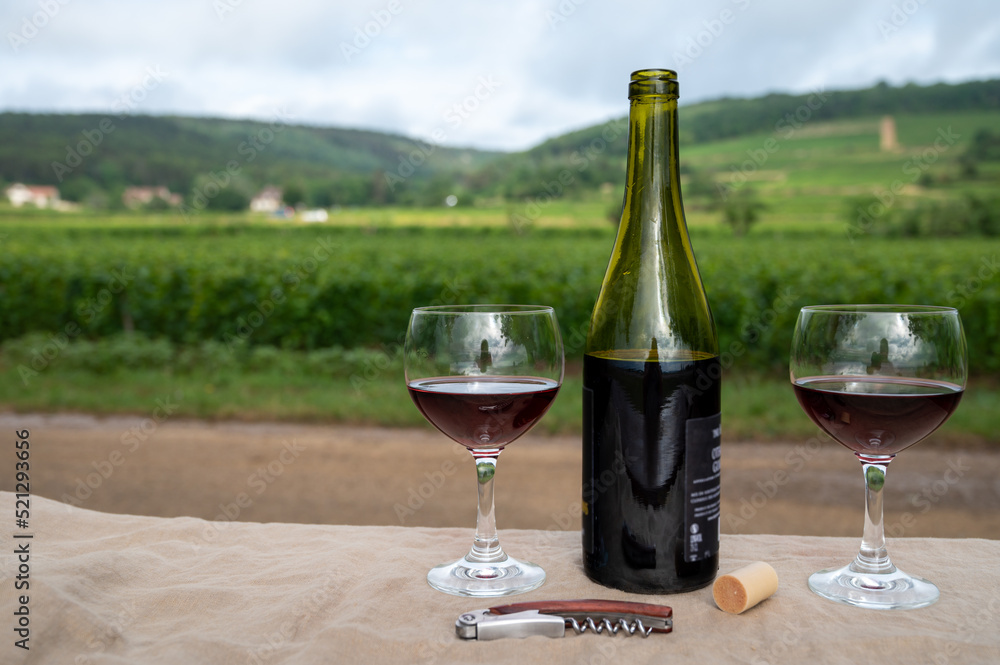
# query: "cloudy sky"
x,y
498,75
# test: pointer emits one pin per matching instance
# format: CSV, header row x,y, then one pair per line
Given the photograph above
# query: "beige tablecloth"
x,y
125,589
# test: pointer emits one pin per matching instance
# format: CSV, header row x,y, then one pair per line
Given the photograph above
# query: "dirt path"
x,y
353,475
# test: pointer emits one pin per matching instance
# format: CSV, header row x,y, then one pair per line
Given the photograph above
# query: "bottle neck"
x,y
652,190
652,303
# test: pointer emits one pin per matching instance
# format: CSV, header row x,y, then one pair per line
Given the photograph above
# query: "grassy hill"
x,y
818,171
835,127
81,153
798,150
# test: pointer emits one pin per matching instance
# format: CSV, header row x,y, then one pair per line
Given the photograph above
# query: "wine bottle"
x,y
651,412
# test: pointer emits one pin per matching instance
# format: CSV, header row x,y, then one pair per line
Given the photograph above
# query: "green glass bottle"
x,y
651,397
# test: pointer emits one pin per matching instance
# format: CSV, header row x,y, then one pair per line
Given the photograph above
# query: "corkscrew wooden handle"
x,y
660,615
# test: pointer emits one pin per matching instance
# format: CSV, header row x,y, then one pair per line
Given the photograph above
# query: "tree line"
x,y
92,158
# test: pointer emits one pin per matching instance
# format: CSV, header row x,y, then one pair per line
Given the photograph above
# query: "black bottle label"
x,y
650,473
704,488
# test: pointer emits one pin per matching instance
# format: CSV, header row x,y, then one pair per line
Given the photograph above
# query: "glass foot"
x,y
498,578
888,591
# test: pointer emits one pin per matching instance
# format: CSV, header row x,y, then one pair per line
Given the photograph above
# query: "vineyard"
x,y
245,288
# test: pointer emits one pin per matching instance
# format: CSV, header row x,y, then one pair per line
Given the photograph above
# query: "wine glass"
x,y
484,375
878,379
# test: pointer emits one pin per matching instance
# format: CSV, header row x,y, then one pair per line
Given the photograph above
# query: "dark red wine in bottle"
x,y
877,415
651,397
483,411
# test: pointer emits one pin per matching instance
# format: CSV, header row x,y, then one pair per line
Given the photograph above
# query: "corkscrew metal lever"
x,y
552,618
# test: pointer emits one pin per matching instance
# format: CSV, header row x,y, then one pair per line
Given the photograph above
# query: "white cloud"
x,y
402,66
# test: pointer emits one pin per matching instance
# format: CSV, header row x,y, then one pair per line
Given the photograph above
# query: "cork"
x,y
743,588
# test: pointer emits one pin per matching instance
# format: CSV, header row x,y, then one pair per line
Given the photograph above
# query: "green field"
x,y
193,316
755,407
259,319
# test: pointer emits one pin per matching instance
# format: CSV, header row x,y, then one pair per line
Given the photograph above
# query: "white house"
x,y
42,196
267,200
135,197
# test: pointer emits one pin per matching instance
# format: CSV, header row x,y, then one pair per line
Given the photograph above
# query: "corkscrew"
x,y
552,618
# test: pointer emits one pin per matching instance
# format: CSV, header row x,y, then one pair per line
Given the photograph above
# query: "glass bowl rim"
x,y
880,309
485,309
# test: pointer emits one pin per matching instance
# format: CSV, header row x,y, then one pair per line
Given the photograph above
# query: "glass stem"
x,y
486,547
873,559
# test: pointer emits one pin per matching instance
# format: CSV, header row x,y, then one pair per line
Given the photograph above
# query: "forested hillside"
x,y
597,154
92,158
89,155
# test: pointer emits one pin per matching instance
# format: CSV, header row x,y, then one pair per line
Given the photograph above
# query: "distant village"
x,y
268,201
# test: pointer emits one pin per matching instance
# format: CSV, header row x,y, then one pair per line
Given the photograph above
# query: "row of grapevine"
x,y
313,288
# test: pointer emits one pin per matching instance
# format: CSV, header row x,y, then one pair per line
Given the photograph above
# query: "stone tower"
x,y
887,140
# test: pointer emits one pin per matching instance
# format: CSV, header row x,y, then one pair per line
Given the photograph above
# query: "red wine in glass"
x,y
483,411
878,379
877,415
484,375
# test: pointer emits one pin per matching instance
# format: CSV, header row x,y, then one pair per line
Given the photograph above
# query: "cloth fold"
x,y
108,588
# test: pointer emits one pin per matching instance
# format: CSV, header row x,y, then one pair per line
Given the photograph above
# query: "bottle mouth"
x,y
654,82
